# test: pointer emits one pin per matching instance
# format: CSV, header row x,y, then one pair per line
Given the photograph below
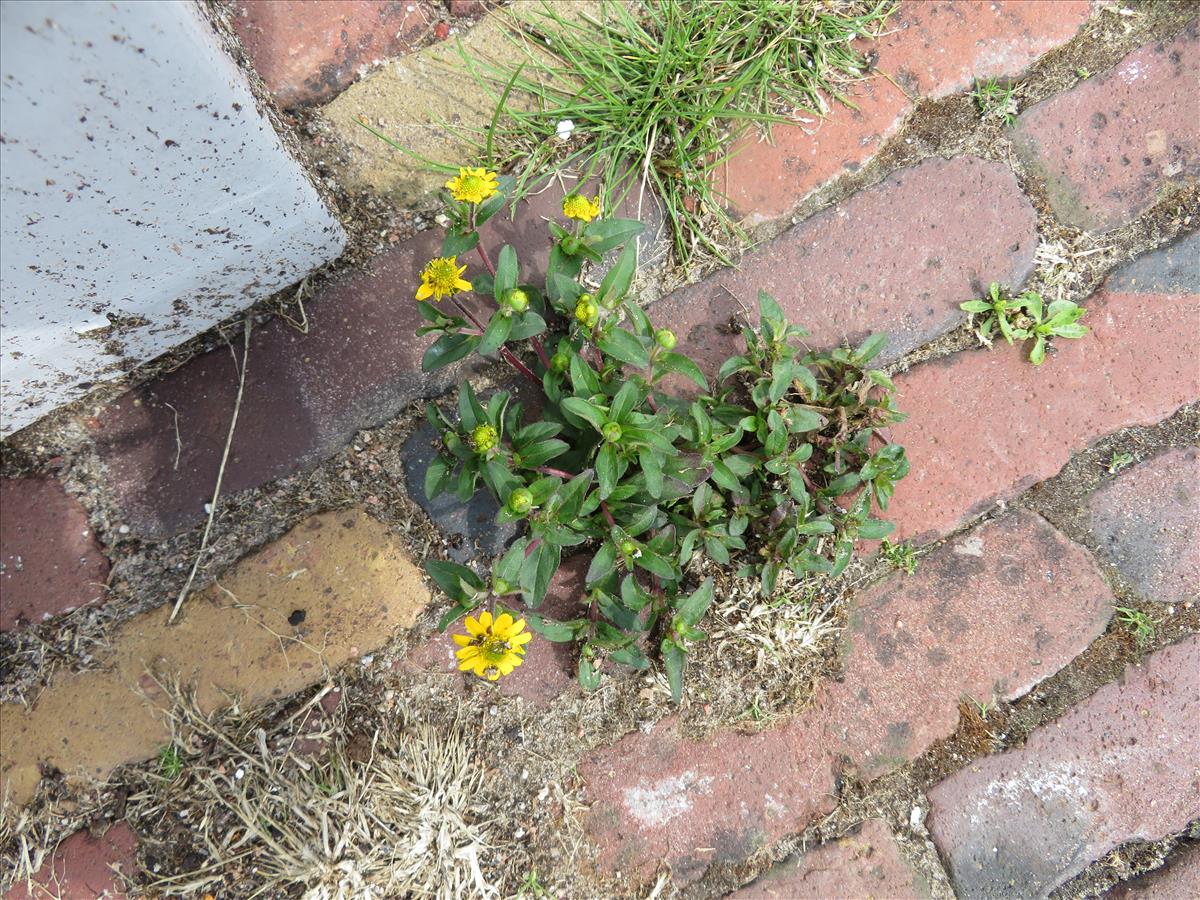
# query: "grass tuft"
x,y
658,90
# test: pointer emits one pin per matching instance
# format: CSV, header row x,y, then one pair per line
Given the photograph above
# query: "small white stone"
x,y
124,529
564,129
239,774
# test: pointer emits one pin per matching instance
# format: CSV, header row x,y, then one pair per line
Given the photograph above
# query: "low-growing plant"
x,y
170,762
902,556
1118,462
1026,317
635,457
1136,623
996,100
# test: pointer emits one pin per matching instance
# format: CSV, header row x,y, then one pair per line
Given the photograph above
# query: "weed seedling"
x,y
1136,623
902,556
170,762
1026,317
1118,462
531,887
996,100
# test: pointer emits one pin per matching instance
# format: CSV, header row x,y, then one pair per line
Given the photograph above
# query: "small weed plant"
x,y
636,458
656,90
1025,317
996,100
1136,623
901,556
1118,462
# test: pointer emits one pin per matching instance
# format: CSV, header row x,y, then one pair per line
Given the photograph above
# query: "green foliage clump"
x,y
1026,317
777,467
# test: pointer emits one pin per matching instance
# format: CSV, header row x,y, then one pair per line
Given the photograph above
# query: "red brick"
x,y
1137,366
305,395
1107,147
1123,765
898,257
764,179
865,864
308,52
50,562
932,49
82,867
1147,523
1179,879
1009,604
941,48
988,615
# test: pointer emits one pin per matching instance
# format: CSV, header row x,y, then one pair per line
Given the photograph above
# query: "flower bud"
x,y
611,432
570,245
516,300
484,438
520,501
628,547
560,362
665,338
500,587
586,313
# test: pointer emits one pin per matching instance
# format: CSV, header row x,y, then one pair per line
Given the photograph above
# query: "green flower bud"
x,y
665,338
570,245
500,587
628,548
484,438
611,432
586,313
516,300
560,362
520,501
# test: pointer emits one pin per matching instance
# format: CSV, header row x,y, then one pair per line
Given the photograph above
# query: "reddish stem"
x,y
550,470
507,354
607,515
537,344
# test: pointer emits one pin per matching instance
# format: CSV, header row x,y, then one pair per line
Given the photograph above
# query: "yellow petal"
x,y
424,291
473,626
461,639
523,638
461,285
461,269
485,619
519,625
467,653
493,675
503,624
466,664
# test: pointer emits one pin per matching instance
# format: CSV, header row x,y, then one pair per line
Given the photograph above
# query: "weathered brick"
x,y
1147,523
308,52
867,863
1121,766
1012,602
1137,366
976,620
1179,879
932,49
333,588
898,257
1107,147
81,868
305,394
50,562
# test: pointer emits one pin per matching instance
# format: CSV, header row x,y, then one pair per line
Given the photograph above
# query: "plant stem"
x,y
508,355
537,344
550,470
607,515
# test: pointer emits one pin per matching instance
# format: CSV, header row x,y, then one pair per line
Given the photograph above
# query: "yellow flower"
x,y
473,185
493,648
442,278
577,206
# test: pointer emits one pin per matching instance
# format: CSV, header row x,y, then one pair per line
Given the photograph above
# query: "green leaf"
x,y
526,325
447,349
631,656
692,608
1038,354
455,244
602,563
602,236
537,570
506,271
606,470
453,614
589,678
618,279
623,345
496,334
768,309
589,412
870,348
674,657
874,529
553,630
624,402
534,455
450,576
682,365
435,476
652,470
975,306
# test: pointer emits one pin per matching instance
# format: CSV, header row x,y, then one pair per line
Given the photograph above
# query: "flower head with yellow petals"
x,y
493,647
473,185
442,277
577,206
